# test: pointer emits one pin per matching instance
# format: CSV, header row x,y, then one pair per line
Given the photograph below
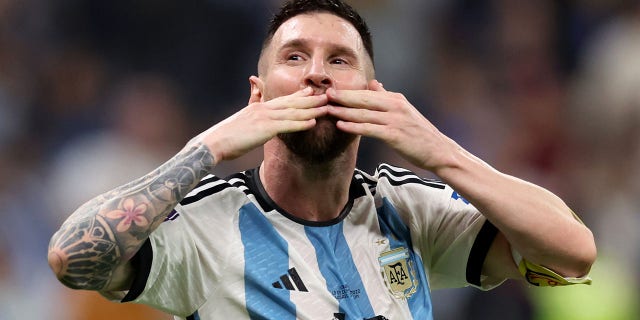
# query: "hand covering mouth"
x,y
330,103
335,104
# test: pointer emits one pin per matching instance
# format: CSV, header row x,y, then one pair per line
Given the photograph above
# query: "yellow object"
x,y
613,296
540,276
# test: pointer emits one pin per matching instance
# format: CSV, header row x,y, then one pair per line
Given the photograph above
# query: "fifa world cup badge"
x,y
398,272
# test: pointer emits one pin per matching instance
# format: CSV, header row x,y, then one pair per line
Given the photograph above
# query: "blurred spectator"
x,y
403,58
604,119
400,68
27,290
24,229
209,46
503,77
494,61
146,126
71,84
14,76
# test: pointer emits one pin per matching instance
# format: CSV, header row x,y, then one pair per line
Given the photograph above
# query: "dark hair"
x,y
339,8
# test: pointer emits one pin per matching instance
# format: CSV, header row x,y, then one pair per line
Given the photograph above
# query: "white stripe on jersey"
x,y
204,186
301,249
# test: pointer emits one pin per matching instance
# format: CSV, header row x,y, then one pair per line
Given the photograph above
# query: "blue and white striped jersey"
x,y
229,252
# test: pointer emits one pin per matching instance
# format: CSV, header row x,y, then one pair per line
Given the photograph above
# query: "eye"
x,y
294,57
338,61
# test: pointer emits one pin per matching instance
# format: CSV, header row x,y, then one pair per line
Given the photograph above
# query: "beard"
x,y
320,144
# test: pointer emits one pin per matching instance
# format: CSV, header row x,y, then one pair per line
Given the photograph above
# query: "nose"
x,y
317,75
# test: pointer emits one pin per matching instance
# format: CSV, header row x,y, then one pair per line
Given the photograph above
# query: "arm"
x,y
530,219
93,247
534,221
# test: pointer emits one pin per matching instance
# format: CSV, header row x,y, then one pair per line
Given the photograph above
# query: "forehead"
x,y
318,28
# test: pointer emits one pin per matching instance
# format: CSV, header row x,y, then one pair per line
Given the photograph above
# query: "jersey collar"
x,y
356,190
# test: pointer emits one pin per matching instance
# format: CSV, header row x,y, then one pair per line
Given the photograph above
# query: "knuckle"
x,y
399,96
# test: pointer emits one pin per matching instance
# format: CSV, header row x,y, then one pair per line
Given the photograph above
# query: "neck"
x,y
309,191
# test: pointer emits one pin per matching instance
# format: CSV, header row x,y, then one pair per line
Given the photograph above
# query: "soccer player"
x,y
307,235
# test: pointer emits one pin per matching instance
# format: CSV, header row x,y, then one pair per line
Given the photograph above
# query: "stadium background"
x,y
93,93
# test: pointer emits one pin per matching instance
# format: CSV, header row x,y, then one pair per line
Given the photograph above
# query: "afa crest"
x,y
398,272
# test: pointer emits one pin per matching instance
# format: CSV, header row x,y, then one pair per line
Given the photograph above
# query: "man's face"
x,y
317,50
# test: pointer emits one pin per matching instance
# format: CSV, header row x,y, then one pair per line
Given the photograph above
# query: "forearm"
x,y
101,235
534,221
537,223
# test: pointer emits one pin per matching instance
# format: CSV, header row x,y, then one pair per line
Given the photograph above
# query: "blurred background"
x,y
95,93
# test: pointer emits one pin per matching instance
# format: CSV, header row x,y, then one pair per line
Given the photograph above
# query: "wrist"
x,y
213,157
451,160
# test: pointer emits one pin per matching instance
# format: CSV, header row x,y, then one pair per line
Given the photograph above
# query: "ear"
x,y
256,89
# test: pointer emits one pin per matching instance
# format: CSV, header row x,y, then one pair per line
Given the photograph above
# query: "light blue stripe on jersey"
x,y
339,271
399,236
266,258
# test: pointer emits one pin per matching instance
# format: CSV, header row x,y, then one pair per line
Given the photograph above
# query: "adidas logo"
x,y
288,280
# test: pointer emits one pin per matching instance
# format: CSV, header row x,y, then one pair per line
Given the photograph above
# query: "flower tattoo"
x,y
129,214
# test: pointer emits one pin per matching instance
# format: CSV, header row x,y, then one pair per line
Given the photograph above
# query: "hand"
x,y
260,121
389,117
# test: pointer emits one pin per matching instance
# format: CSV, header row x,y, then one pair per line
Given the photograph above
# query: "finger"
x,y
288,126
363,99
299,100
303,92
256,93
364,129
299,114
292,120
358,115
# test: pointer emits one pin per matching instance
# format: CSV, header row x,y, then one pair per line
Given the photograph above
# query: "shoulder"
x,y
406,190
212,186
401,177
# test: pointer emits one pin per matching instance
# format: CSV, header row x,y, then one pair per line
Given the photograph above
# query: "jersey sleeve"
x,y
452,236
457,242
176,281
178,267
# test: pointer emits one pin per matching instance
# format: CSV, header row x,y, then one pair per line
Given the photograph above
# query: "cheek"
x,y
282,82
350,81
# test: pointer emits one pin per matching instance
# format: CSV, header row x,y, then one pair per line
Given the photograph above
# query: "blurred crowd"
x,y
95,93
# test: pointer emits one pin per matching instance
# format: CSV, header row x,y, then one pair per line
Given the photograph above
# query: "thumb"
x,y
303,92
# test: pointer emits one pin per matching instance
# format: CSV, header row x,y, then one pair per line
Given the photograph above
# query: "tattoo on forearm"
x,y
109,229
